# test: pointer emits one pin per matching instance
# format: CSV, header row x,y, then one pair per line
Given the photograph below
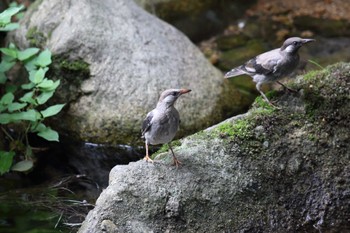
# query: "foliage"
x,y
22,108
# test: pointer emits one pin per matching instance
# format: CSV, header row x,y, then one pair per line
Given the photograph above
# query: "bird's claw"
x,y
148,159
176,162
290,90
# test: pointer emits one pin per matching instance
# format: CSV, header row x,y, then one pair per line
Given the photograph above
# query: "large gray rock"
x,y
127,57
266,171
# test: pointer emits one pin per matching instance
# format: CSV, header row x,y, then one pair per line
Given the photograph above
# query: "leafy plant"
x,y
21,105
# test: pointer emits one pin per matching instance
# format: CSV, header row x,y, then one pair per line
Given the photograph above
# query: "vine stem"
x,y
7,134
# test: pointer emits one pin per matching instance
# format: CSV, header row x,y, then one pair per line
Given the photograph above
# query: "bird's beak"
x,y
184,91
304,41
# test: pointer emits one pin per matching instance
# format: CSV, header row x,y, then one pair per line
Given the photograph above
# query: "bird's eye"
x,y
295,42
174,93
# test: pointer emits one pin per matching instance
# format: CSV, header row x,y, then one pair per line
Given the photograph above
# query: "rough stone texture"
x,y
132,57
270,170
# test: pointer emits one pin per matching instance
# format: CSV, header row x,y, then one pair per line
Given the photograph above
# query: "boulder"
x,y
114,59
269,170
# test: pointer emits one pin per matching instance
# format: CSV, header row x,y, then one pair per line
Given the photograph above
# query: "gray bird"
x,y
162,123
272,65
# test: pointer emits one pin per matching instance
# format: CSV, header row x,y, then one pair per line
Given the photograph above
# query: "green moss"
x,y
35,37
77,68
165,148
77,65
240,128
261,106
72,73
312,137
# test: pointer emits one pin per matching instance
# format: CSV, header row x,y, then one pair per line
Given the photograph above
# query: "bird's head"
x,y
291,45
168,97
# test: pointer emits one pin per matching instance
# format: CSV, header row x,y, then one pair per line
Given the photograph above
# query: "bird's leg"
x,y
285,87
147,158
258,85
176,161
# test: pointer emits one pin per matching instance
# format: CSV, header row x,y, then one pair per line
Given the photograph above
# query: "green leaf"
x,y
28,86
9,52
7,98
6,158
44,58
45,84
39,76
5,118
6,65
16,106
23,166
28,98
30,64
52,110
2,108
8,59
5,16
45,96
9,27
49,134
53,86
48,85
12,46
24,55
37,127
3,78
30,115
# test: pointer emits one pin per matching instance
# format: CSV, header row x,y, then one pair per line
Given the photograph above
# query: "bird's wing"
x,y
147,123
266,63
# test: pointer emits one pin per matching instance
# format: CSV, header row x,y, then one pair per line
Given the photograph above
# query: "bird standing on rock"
x,y
272,65
162,123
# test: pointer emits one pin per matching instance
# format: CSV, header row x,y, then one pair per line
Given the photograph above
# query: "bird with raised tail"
x,y
273,65
162,123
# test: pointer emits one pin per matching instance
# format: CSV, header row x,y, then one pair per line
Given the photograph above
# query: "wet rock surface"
x,y
270,170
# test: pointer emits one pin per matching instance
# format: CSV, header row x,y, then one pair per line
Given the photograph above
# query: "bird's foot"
x,y
148,159
273,105
176,162
289,89
285,88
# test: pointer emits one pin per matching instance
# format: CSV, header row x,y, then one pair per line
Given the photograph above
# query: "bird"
x,y
273,65
162,123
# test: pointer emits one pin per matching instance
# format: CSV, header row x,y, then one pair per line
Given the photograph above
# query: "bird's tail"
x,y
234,72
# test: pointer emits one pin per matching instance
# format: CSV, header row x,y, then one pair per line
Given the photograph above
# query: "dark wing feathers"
x,y
259,68
146,124
268,62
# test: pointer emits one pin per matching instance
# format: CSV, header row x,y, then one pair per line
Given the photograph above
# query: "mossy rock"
x,y
269,170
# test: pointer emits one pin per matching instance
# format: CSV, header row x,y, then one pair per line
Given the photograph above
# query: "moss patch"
x,y
73,66
36,38
241,128
165,148
71,72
